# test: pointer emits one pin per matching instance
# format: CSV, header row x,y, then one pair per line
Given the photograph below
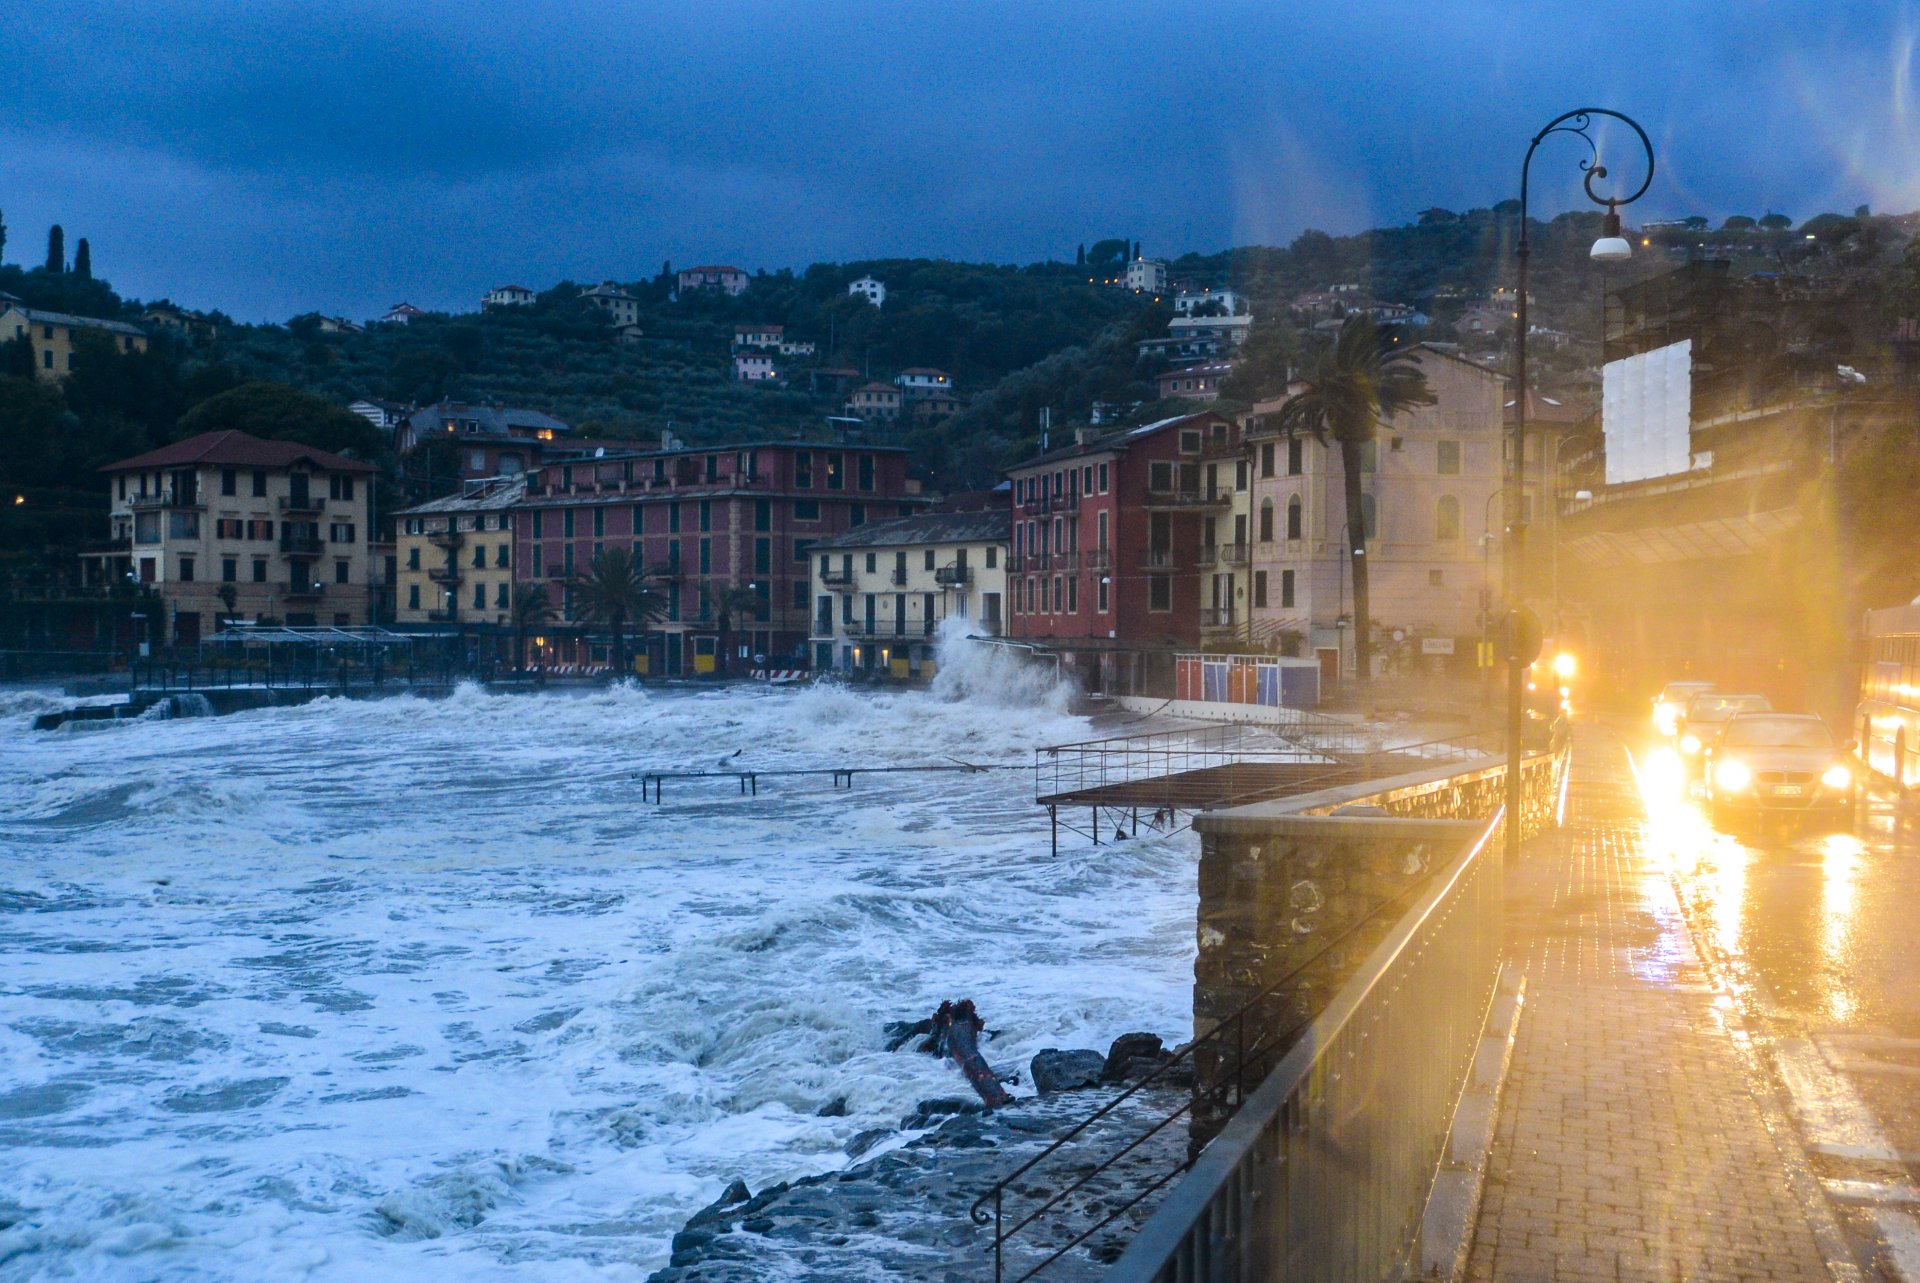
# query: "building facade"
x,y
875,401
724,532
1430,483
1194,382
1114,537
881,590
1147,276
874,291
454,556
728,280
622,308
508,296
226,525
489,440
55,336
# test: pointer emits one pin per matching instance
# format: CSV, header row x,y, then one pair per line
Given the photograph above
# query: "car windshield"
x,y
1718,708
1776,732
1681,692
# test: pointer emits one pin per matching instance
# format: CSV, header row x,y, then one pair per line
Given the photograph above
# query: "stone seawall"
x,y
1294,895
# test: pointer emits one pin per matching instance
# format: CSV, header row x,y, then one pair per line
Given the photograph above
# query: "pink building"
x,y
703,521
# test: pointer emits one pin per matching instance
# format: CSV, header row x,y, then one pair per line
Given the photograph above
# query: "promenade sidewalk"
x,y
1630,1143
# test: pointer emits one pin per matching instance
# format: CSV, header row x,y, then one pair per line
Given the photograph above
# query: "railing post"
x,y
996,1234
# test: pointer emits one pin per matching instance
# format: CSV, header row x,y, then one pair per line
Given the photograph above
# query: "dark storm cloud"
x,y
270,157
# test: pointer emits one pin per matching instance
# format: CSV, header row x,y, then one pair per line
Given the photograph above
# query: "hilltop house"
x,y
339,325
730,280
508,296
491,440
401,314
1147,276
54,336
622,308
875,401
869,289
386,415
195,325
755,366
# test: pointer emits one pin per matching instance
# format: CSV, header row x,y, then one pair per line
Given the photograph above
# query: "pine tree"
x,y
83,260
3,238
1081,260
56,249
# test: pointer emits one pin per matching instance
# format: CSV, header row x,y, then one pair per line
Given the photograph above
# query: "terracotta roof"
x,y
240,450
980,525
876,386
686,271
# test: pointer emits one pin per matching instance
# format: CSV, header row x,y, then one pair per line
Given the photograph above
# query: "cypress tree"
x,y
83,260
3,239
56,249
1081,261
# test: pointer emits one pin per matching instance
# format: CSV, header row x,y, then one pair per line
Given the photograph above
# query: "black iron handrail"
x,y
1216,1091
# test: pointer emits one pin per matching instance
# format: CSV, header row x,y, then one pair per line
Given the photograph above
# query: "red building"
x,y
1108,535
704,521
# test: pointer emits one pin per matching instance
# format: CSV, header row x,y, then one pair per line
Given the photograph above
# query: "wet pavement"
x,y
1812,935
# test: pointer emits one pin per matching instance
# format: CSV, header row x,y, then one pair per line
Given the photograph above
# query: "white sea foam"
x,y
422,989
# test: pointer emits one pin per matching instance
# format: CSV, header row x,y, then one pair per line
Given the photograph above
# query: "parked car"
x,y
1783,765
1706,714
1671,703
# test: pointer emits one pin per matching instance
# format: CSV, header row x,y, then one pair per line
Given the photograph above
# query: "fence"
x,y
290,674
1324,1172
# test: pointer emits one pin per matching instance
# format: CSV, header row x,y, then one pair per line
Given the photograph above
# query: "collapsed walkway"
x,y
1632,1143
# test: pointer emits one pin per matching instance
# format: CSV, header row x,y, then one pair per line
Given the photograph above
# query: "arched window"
x,y
1293,517
1446,518
1266,521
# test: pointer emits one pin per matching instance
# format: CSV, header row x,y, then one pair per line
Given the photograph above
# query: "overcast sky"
x,y
269,157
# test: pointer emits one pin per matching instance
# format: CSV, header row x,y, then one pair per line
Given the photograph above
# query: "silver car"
x,y
1778,765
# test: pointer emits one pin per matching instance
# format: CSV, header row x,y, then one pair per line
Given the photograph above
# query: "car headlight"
x,y
1837,776
1689,743
1663,717
1732,776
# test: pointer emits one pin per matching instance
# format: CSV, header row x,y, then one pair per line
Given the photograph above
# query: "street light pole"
x,y
1611,247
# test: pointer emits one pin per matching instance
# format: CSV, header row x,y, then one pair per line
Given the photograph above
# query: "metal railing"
x,y
1296,736
159,676
1324,1172
1216,617
1157,559
302,503
953,576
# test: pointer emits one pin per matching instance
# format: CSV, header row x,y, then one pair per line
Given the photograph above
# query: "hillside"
x,y
1017,339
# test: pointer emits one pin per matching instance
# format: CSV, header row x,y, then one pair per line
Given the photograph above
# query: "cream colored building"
x,y
454,556
279,528
1431,493
54,336
881,590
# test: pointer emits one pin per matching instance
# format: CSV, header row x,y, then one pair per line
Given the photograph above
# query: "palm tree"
x,y
728,602
613,591
531,608
1347,390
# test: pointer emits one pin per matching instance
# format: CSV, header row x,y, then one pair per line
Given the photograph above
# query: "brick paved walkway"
x,y
1629,1143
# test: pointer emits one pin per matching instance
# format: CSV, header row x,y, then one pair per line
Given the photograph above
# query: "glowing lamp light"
x,y
1732,776
1565,665
1690,744
1837,776
1612,247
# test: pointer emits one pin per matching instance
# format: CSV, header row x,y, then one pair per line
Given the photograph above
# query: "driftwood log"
x,y
954,1031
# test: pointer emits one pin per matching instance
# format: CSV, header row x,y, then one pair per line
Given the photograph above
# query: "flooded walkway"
x,y
1632,1142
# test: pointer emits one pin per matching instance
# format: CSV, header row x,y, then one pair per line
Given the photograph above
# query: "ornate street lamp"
x,y
1610,248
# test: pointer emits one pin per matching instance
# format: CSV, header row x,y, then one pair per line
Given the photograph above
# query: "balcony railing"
x,y
1063,561
1099,559
302,503
953,576
1226,554
1216,617
1187,500
168,498
1023,564
898,577
445,538
1159,560
444,574
304,592
309,545
839,580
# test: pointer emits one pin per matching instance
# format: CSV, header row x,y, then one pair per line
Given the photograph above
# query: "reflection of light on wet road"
x,y
1839,894
1705,866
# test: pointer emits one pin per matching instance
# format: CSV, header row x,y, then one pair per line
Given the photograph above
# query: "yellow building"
x,y
454,556
881,590
54,336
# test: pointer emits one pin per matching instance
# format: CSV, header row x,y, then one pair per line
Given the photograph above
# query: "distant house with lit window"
x,y
728,280
755,367
489,440
54,337
1195,382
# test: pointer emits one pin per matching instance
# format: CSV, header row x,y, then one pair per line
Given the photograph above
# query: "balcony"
x,y
444,574
1183,500
304,592
898,577
1228,449
1158,561
304,545
1099,560
1226,554
837,580
445,538
1038,506
1021,565
1063,561
953,576
302,503
1216,618
443,616
168,498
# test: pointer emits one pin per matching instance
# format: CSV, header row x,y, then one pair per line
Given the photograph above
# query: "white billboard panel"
x,y
1646,410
